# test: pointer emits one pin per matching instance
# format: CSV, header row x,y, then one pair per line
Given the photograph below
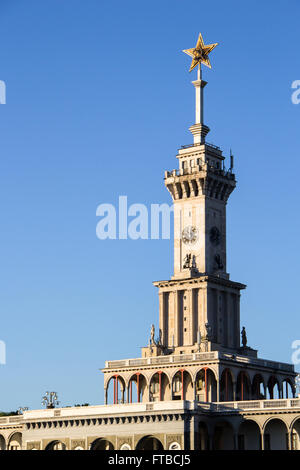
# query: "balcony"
x,y
198,357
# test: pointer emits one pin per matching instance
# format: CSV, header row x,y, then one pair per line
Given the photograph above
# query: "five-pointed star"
x,y
200,53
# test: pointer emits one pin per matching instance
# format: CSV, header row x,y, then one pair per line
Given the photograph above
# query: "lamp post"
x,y
50,400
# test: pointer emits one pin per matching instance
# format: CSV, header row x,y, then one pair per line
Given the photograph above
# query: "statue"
x,y
187,261
152,340
160,338
199,340
208,331
244,337
219,262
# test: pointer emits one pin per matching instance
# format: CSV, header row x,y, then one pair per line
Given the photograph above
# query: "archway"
x,y
160,389
102,444
223,436
185,391
275,435
56,445
258,389
137,389
273,388
243,386
115,392
15,441
226,386
206,385
149,443
249,437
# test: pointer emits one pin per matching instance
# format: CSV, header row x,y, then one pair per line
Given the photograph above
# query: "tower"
x,y
200,302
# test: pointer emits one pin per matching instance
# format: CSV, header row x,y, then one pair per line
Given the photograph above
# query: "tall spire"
x,y
199,55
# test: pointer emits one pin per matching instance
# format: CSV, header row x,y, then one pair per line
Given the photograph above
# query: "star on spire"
x,y
200,53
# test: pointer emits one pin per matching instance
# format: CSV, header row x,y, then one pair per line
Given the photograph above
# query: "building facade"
x,y
196,385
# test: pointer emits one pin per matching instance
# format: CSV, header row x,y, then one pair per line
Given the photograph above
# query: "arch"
x,y
206,385
15,441
295,435
275,435
243,386
273,393
115,390
137,388
182,385
159,388
258,388
149,443
56,445
249,436
227,385
287,388
101,444
223,436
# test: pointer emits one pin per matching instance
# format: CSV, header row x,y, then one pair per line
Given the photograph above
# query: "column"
x,y
138,386
176,322
206,384
191,323
230,322
262,441
234,390
160,390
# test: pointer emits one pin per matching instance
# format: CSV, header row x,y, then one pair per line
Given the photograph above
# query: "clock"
x,y
189,234
215,236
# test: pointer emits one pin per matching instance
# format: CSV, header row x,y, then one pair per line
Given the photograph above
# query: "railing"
x,y
11,419
202,356
195,169
206,356
252,405
260,362
198,144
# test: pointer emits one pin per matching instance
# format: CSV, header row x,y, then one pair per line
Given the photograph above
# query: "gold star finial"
x,y
200,53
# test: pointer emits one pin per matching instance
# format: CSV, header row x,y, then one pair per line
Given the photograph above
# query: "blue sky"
x,y
98,101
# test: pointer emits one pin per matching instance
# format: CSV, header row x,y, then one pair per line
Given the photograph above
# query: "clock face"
x,y
189,234
215,236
